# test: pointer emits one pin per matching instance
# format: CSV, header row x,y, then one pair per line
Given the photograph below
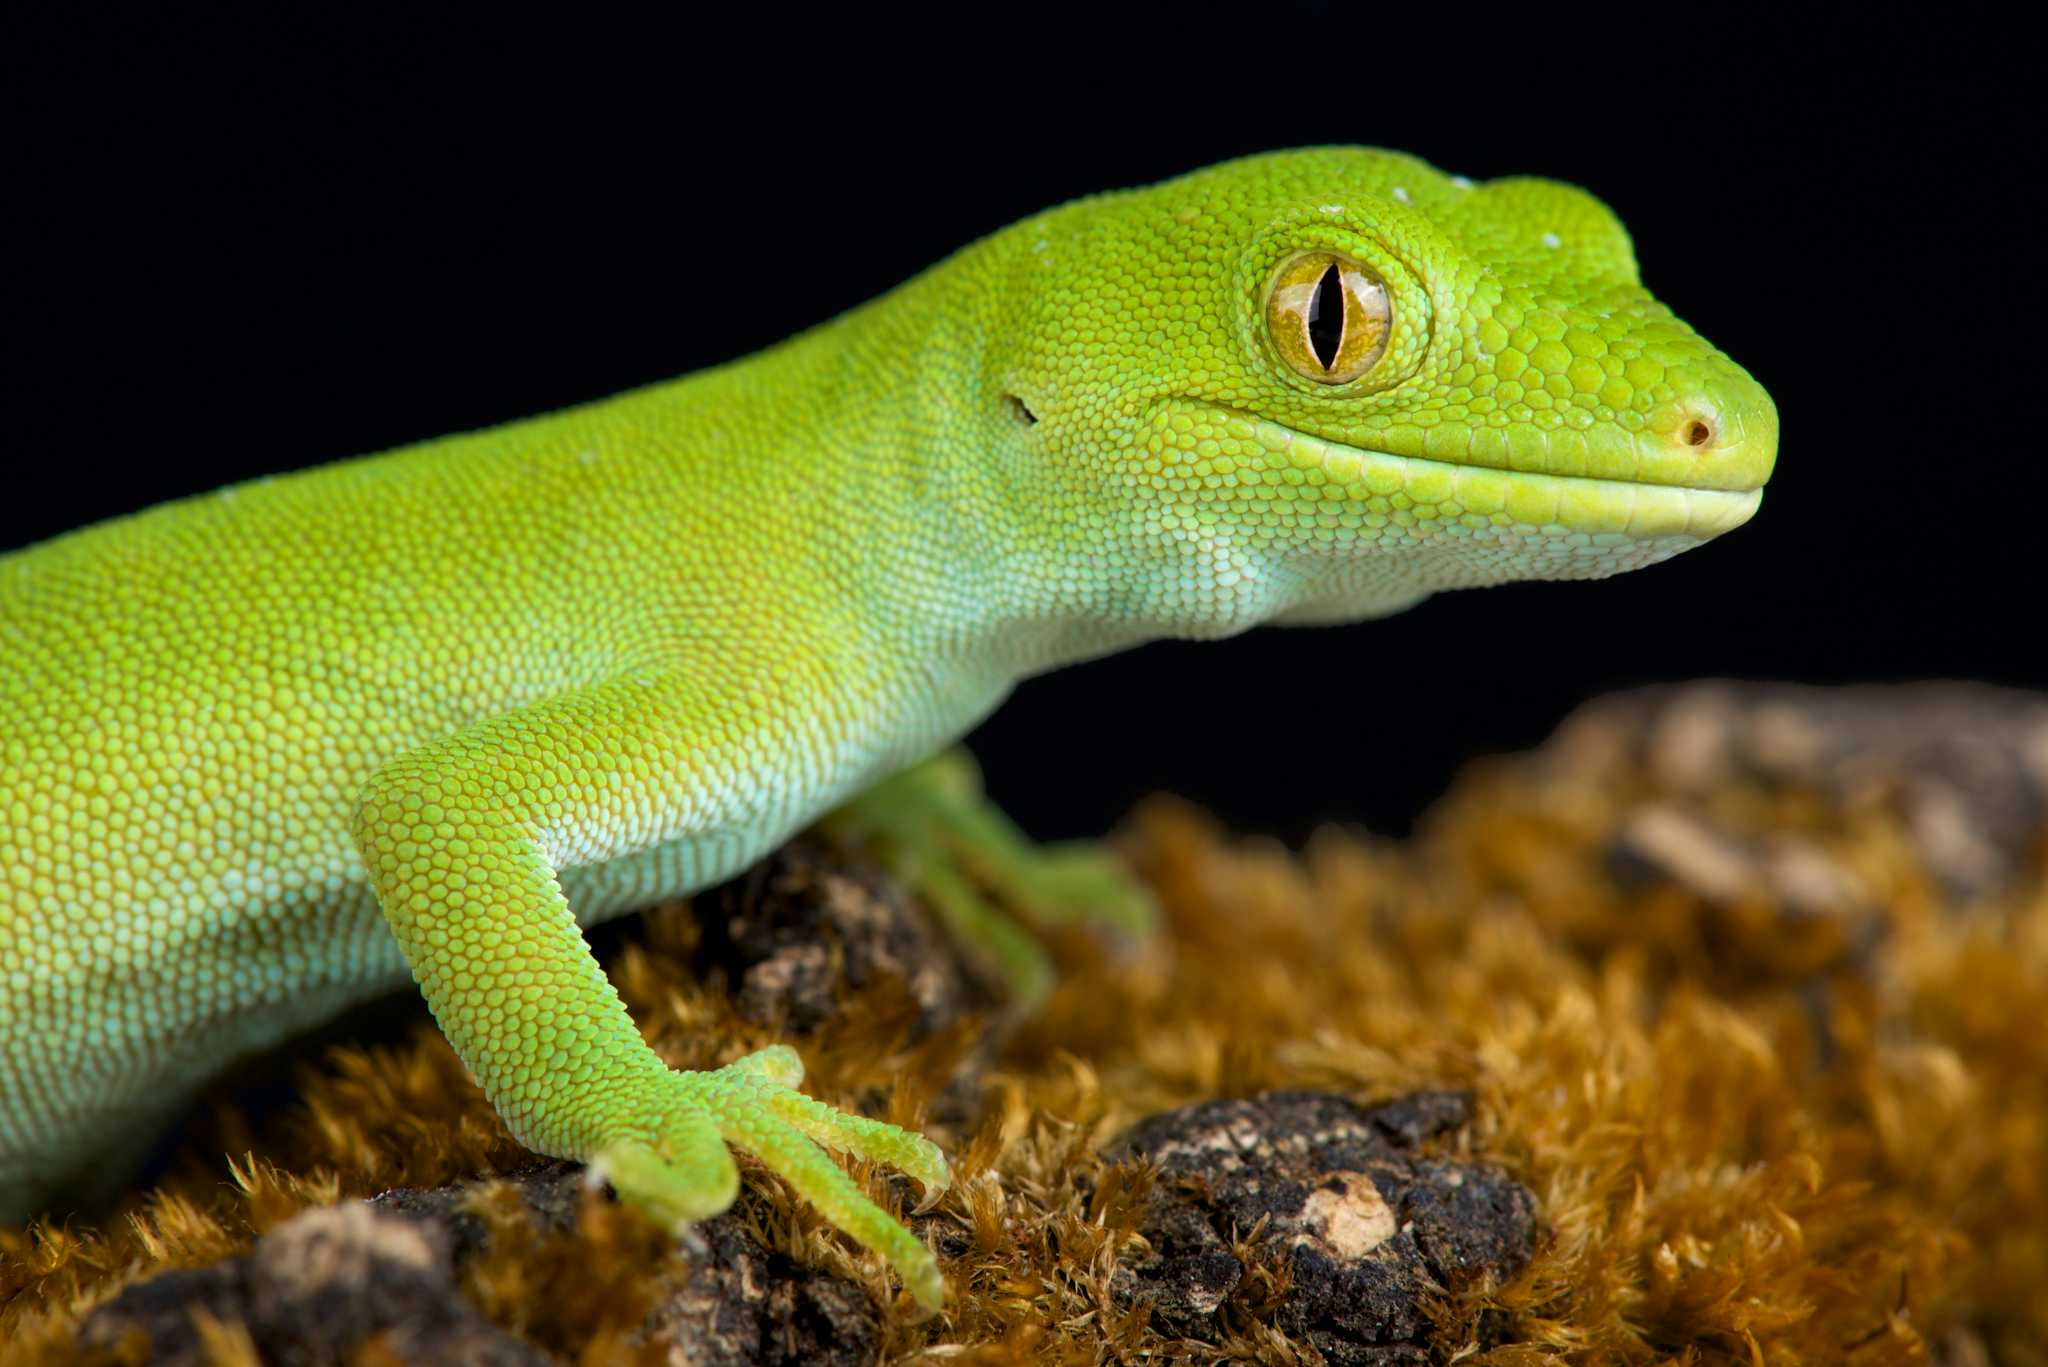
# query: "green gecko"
x,y
265,751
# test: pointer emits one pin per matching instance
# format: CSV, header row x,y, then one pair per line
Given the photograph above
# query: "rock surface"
x,y
1363,1223
725,1302
1965,765
315,1290
321,1287
806,925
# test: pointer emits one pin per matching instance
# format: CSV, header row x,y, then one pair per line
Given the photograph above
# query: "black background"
x,y
249,243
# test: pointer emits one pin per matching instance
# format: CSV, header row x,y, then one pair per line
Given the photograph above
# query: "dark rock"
x,y
803,926
550,1190
1337,1193
321,1286
314,1291
1668,842
743,1304
1419,1116
1965,764
727,1301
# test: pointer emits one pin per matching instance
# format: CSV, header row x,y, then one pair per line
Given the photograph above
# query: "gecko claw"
x,y
934,1192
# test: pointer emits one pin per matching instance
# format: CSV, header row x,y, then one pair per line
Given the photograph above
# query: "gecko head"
x,y
1319,385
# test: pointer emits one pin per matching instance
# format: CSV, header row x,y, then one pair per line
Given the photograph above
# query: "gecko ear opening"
x,y
1019,410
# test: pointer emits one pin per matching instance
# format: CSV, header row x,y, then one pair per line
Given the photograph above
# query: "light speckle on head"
x,y
1552,240
1401,194
1332,208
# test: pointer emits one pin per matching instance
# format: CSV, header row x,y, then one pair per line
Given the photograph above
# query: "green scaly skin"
x,y
266,750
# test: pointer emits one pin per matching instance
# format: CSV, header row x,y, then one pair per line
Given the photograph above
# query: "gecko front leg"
x,y
464,837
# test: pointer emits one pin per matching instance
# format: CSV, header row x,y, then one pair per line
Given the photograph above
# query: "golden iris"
x,y
1328,317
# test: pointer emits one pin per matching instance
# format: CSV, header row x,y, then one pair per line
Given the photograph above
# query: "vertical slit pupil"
x,y
1326,317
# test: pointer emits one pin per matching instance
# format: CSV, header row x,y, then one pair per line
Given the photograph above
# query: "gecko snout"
x,y
1724,439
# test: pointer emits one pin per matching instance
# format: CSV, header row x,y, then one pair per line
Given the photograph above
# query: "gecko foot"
x,y
681,1171
933,827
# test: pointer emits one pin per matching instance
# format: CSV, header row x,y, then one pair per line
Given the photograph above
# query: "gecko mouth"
x,y
1436,491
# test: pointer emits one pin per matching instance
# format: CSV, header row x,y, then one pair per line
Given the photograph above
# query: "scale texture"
x,y
267,750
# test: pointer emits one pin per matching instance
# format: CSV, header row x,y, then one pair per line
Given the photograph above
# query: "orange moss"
x,y
1755,1137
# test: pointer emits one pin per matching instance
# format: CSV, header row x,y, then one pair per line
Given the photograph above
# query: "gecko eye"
x,y
1328,317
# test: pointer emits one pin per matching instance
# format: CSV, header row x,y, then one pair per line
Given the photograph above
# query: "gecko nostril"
x,y
1697,433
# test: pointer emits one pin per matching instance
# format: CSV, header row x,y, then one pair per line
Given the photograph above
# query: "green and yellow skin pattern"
x,y
266,751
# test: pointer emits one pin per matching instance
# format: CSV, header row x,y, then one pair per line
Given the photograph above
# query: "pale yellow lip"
x,y
1439,490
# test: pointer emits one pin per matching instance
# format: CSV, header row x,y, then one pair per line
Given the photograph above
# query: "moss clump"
x,y
1774,1072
